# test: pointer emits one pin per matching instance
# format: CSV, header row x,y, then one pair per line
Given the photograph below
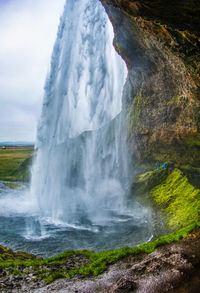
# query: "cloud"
x,y
27,33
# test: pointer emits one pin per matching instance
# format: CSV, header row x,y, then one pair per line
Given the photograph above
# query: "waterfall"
x,y
81,173
81,156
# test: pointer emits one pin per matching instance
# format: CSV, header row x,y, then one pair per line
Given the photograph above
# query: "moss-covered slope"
x,y
8,255
172,193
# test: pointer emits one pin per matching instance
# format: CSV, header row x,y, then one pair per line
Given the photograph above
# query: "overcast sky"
x,y
27,34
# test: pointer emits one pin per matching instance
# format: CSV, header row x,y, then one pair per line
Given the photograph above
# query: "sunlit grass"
x,y
11,160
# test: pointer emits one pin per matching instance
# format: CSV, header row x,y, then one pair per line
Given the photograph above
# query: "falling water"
x,y
74,175
80,175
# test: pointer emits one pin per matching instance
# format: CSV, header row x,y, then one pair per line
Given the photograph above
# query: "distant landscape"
x,y
16,143
15,161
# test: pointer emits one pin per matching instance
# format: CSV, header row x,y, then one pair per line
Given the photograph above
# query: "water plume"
x,y
80,177
75,174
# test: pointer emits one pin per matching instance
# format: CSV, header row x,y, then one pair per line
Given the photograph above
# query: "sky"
x,y
27,34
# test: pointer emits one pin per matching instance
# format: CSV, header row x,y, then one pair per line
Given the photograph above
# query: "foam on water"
x,y
78,196
74,177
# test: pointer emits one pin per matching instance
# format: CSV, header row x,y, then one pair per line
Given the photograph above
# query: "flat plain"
x,y
14,162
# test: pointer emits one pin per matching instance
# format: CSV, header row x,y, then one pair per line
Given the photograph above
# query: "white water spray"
x,y
79,181
75,176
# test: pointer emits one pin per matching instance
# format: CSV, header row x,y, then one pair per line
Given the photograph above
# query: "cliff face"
x,y
160,43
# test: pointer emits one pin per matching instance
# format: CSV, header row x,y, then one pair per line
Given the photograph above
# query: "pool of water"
x,y
22,229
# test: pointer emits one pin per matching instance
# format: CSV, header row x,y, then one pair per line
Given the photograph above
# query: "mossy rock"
x,y
98,261
151,179
182,148
171,192
13,185
178,199
21,255
7,254
134,115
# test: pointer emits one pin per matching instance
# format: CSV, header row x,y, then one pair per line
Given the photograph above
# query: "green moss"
x,y
9,256
149,180
175,100
188,167
15,272
147,100
145,167
192,140
13,185
182,148
21,255
99,260
178,199
134,115
54,276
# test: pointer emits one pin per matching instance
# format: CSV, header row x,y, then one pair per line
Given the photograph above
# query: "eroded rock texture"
x,y
172,268
160,43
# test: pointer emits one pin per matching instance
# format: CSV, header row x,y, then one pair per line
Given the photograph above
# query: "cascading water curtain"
x,y
83,93
79,177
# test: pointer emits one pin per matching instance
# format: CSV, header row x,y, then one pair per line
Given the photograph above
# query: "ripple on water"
x,y
22,229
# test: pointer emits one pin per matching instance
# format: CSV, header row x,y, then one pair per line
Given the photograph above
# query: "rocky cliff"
x,y
160,43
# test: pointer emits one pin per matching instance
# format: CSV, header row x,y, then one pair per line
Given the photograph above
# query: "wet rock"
x,y
125,285
162,91
173,268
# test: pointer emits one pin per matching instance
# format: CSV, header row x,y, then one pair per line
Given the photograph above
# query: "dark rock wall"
x,y
160,43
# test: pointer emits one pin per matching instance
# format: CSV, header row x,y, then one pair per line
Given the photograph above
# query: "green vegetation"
x,y
13,185
7,254
134,115
178,199
23,172
151,179
14,163
174,24
55,276
98,261
175,100
171,191
175,192
184,149
192,140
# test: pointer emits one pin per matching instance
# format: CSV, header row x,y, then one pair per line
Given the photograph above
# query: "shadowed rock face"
x,y
159,41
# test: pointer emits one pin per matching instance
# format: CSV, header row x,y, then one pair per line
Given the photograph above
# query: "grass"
x,y
99,261
11,159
